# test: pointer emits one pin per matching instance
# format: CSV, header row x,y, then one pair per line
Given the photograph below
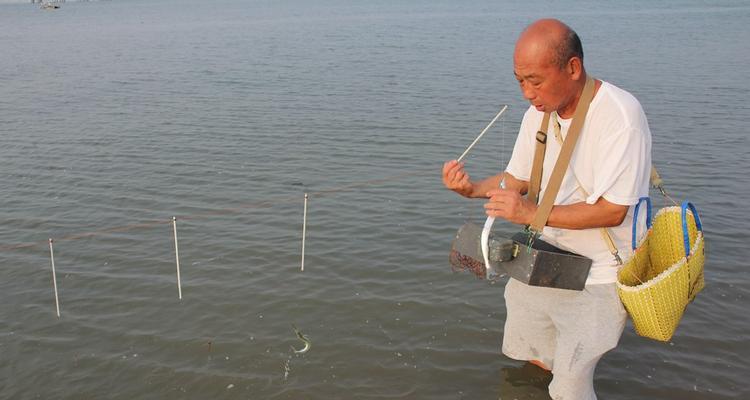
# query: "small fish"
x,y
301,336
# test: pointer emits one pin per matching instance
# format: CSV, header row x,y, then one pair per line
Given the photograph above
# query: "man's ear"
x,y
575,68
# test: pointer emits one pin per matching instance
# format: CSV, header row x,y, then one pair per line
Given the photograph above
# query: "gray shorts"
x,y
567,330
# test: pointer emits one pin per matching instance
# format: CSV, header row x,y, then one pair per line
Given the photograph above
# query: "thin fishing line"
x,y
230,210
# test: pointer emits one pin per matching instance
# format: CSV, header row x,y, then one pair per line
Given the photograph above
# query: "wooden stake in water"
x,y
482,134
304,232
177,257
54,276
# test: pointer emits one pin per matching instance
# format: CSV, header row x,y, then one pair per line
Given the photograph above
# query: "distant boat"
x,y
49,6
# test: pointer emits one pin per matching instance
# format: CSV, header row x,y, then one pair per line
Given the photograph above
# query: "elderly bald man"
x,y
568,331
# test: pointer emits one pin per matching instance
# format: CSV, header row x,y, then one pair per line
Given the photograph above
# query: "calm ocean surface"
x,y
122,114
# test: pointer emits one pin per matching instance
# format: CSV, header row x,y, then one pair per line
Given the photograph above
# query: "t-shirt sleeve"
x,y
523,151
623,163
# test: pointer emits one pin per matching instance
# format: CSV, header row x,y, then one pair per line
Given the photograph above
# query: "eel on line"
x,y
301,336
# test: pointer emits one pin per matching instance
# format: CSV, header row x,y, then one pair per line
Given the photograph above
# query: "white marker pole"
x,y
304,232
482,134
54,277
177,257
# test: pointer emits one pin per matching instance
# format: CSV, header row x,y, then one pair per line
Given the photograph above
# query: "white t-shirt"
x,y
612,159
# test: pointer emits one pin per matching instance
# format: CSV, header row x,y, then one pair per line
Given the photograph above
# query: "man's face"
x,y
543,83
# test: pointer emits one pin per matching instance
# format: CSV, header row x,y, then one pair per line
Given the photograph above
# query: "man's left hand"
x,y
511,206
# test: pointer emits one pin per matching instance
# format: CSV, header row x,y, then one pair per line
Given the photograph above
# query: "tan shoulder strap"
x,y
535,182
606,235
563,160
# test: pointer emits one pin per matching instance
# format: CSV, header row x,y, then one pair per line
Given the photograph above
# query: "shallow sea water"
x,y
117,115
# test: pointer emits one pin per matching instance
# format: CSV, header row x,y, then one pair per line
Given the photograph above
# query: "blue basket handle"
x,y
635,217
685,235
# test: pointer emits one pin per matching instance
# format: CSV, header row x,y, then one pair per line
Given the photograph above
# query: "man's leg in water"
x,y
589,324
529,334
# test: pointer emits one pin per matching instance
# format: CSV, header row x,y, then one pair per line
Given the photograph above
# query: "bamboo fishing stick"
x,y
177,257
304,229
483,132
54,277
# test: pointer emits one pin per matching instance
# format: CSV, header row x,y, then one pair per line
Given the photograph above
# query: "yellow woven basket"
x,y
665,272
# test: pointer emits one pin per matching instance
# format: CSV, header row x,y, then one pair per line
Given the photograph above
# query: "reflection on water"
x,y
524,381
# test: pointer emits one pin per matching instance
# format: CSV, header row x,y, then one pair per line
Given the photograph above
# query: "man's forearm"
x,y
510,205
511,183
582,215
481,188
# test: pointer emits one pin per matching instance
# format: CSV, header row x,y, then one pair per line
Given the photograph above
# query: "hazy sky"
x,y
22,1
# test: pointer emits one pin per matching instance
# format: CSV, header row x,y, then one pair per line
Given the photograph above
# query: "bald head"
x,y
550,40
548,64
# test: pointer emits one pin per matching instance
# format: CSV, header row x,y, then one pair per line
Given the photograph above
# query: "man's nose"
x,y
527,92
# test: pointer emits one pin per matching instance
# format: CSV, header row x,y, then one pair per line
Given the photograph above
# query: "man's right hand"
x,y
456,179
